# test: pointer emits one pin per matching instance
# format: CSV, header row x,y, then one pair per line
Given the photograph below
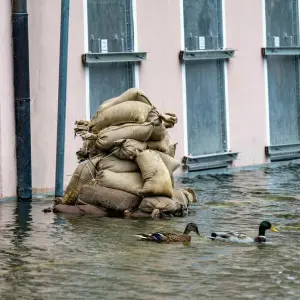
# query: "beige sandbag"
x,y
139,132
162,146
128,182
169,119
173,181
172,149
81,126
136,214
182,196
114,164
108,198
82,154
193,193
132,94
127,148
164,204
84,173
171,163
80,210
154,117
126,112
158,133
89,150
156,177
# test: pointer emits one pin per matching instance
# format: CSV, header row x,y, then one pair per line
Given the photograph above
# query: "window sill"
x,y
188,55
110,57
280,51
283,152
209,161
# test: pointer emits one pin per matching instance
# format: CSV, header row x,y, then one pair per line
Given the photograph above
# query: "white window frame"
x,y
86,50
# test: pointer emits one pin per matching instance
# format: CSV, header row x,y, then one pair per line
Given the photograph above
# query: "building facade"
x,y
228,69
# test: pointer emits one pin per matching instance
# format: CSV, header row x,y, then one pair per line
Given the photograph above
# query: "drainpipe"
x,y
62,93
22,98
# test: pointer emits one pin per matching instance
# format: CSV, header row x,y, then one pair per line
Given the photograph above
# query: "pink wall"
x,y
159,33
246,81
44,26
44,34
7,124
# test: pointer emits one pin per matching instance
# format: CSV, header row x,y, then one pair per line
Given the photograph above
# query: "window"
x,y
110,29
206,117
282,32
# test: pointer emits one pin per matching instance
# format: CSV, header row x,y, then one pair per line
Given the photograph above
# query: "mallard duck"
x,y
161,236
243,238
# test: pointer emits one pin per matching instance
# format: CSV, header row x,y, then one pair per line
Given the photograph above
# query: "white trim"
x,y
86,49
266,74
183,81
184,109
226,78
87,94
135,44
224,24
135,31
136,76
226,105
298,19
182,43
85,25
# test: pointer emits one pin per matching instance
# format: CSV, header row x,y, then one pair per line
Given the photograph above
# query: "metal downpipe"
x,y
22,99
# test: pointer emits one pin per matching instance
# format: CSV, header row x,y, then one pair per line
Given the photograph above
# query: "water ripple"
x,y
44,256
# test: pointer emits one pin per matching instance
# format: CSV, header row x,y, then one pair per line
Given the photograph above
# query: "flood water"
x,y
45,256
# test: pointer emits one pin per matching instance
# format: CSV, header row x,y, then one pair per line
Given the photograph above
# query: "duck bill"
x,y
273,229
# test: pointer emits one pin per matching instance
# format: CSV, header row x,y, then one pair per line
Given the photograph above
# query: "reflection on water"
x,y
45,256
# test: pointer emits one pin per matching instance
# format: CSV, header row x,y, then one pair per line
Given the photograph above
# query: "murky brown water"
x,y
44,256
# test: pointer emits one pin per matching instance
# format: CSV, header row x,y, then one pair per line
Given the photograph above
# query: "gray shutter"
x,y
111,20
205,79
283,72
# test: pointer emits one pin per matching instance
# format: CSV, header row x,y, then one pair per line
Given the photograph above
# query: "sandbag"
x,y
132,94
162,146
164,204
156,177
126,112
172,149
84,172
193,193
171,163
139,132
182,196
82,154
80,210
89,150
81,126
159,132
128,182
127,148
114,164
154,117
173,181
108,198
136,214
170,119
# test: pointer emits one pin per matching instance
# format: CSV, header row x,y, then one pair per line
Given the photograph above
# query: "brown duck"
x,y
162,236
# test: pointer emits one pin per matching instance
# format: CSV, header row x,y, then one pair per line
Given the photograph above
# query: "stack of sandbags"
x,y
127,159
